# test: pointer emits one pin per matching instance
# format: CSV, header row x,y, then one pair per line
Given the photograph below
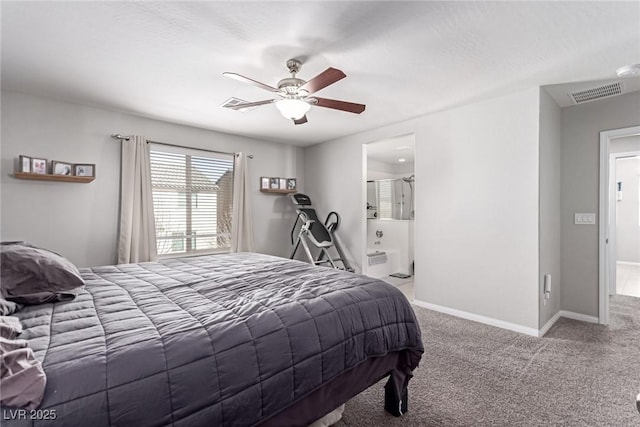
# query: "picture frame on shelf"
x,y
39,166
291,183
84,169
61,168
24,164
283,184
264,183
274,183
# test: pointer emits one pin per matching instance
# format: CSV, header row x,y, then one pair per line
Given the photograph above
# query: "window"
x,y
192,200
385,199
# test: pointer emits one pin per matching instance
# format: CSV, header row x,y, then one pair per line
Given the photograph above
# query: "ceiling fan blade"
x,y
250,104
250,81
350,107
322,80
301,120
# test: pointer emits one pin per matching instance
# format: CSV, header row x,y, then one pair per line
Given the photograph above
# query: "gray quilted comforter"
x,y
212,340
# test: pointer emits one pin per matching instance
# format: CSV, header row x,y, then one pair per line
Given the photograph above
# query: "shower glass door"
x,y
394,199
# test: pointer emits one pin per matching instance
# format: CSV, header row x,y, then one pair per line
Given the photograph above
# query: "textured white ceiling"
x,y
402,59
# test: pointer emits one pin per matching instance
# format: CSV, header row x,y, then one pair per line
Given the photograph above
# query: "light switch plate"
x,y
585,218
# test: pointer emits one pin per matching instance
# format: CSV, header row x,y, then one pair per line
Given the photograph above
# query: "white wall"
x,y
581,127
627,224
550,209
476,227
335,182
80,221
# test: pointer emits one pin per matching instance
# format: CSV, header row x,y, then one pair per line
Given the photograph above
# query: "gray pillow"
x,y
32,275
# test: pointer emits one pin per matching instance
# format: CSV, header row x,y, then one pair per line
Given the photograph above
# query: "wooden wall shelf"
x,y
277,191
49,177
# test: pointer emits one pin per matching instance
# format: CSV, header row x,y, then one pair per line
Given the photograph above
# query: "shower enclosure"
x,y
391,198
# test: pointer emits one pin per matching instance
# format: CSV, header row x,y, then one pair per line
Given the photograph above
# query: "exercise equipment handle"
x,y
334,225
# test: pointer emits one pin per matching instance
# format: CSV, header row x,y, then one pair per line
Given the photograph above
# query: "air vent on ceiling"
x,y
235,101
605,91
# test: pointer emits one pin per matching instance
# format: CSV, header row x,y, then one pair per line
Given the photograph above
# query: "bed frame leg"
x,y
396,394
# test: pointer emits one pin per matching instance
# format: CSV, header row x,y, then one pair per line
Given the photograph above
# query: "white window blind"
x,y
385,199
192,199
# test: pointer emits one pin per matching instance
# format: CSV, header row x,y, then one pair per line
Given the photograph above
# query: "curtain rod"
x,y
126,138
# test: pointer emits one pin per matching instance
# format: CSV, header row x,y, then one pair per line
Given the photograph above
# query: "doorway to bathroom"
x,y
619,223
624,218
390,211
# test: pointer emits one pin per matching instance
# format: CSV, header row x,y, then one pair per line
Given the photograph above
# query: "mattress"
x,y
233,339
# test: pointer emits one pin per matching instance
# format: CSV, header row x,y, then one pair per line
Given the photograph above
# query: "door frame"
x,y
363,211
605,247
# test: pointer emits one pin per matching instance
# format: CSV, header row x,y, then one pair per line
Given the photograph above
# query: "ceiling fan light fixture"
x,y
296,93
293,109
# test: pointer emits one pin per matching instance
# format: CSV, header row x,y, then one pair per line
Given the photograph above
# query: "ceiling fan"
x,y
296,94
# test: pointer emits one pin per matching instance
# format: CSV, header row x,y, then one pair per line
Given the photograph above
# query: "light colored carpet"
x,y
578,374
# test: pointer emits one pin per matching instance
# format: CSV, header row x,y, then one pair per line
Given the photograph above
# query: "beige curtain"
x,y
241,223
137,240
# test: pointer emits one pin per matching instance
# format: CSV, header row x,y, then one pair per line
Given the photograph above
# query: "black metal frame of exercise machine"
x,y
314,232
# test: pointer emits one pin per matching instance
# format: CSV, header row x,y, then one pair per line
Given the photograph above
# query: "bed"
x,y
232,339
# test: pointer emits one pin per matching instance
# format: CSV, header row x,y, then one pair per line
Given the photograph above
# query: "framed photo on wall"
x,y
84,170
291,183
264,183
274,183
61,168
39,166
24,164
283,184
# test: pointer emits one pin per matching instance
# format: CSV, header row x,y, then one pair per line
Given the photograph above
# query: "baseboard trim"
x,y
508,325
579,316
549,324
635,264
478,318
